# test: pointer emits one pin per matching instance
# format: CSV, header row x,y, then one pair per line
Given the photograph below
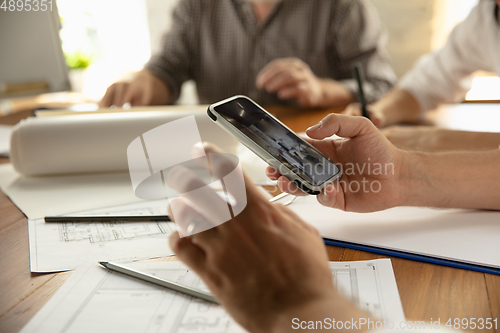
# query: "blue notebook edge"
x,y
413,256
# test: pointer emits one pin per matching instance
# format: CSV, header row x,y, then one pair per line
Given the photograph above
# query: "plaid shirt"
x,y
221,46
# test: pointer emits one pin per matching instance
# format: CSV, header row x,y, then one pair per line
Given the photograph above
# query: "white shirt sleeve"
x,y
444,75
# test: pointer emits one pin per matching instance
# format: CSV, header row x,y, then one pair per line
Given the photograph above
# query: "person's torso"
x,y
233,48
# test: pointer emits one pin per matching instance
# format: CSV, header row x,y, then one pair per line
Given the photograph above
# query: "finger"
x,y
269,71
290,92
107,100
353,109
287,186
119,94
188,220
188,252
272,173
235,182
304,96
377,119
221,166
341,125
287,78
332,196
194,189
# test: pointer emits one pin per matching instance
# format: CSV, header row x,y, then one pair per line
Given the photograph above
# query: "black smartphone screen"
x,y
283,144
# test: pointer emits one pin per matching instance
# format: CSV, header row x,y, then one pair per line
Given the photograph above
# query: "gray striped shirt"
x,y
221,46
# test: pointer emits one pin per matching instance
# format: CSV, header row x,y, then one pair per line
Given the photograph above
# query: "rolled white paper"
x,y
95,143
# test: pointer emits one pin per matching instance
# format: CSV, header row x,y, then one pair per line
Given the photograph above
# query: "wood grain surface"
x,y
428,291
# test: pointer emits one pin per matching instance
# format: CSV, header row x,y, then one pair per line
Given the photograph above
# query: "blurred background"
x,y
104,41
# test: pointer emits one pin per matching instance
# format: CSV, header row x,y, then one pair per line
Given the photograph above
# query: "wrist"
x,y
420,187
396,107
334,94
159,89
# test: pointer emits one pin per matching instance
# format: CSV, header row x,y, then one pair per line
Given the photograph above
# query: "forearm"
x,y
451,180
396,107
160,90
445,139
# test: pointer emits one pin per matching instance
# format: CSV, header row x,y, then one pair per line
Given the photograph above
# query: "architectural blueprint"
x,y
63,246
367,284
97,300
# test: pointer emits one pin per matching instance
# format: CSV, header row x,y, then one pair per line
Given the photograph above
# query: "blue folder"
x,y
413,256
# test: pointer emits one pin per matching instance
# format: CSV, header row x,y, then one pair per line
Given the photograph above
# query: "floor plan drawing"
x,y
361,284
62,246
105,232
105,301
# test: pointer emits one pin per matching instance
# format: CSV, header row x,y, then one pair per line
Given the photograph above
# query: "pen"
x,y
358,74
127,218
109,218
158,281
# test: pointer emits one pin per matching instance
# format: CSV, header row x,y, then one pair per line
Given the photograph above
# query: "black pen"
x,y
358,74
109,218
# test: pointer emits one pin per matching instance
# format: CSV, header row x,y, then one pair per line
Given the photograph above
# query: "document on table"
x,y
38,197
462,235
64,246
5,131
94,299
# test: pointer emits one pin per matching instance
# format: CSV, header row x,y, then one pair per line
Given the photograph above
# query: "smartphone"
x,y
275,143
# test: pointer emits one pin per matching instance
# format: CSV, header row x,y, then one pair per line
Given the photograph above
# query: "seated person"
x,y
266,266
439,77
276,52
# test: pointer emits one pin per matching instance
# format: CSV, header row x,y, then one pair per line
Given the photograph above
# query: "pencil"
x,y
160,282
358,74
109,218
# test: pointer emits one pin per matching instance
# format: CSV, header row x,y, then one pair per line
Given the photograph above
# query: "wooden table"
x,y
427,290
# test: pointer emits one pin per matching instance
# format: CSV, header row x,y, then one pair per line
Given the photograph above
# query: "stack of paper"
x,y
469,236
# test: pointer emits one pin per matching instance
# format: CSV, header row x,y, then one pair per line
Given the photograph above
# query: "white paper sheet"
x,y
38,197
94,299
63,246
5,131
51,196
465,235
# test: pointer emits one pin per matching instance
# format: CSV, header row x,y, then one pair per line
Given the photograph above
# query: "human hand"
x,y
265,266
291,78
376,116
397,106
144,88
371,165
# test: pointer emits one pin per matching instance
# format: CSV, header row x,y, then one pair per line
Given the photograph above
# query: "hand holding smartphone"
x,y
275,143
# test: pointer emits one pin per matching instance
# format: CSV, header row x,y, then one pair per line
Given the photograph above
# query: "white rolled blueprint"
x,y
95,143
